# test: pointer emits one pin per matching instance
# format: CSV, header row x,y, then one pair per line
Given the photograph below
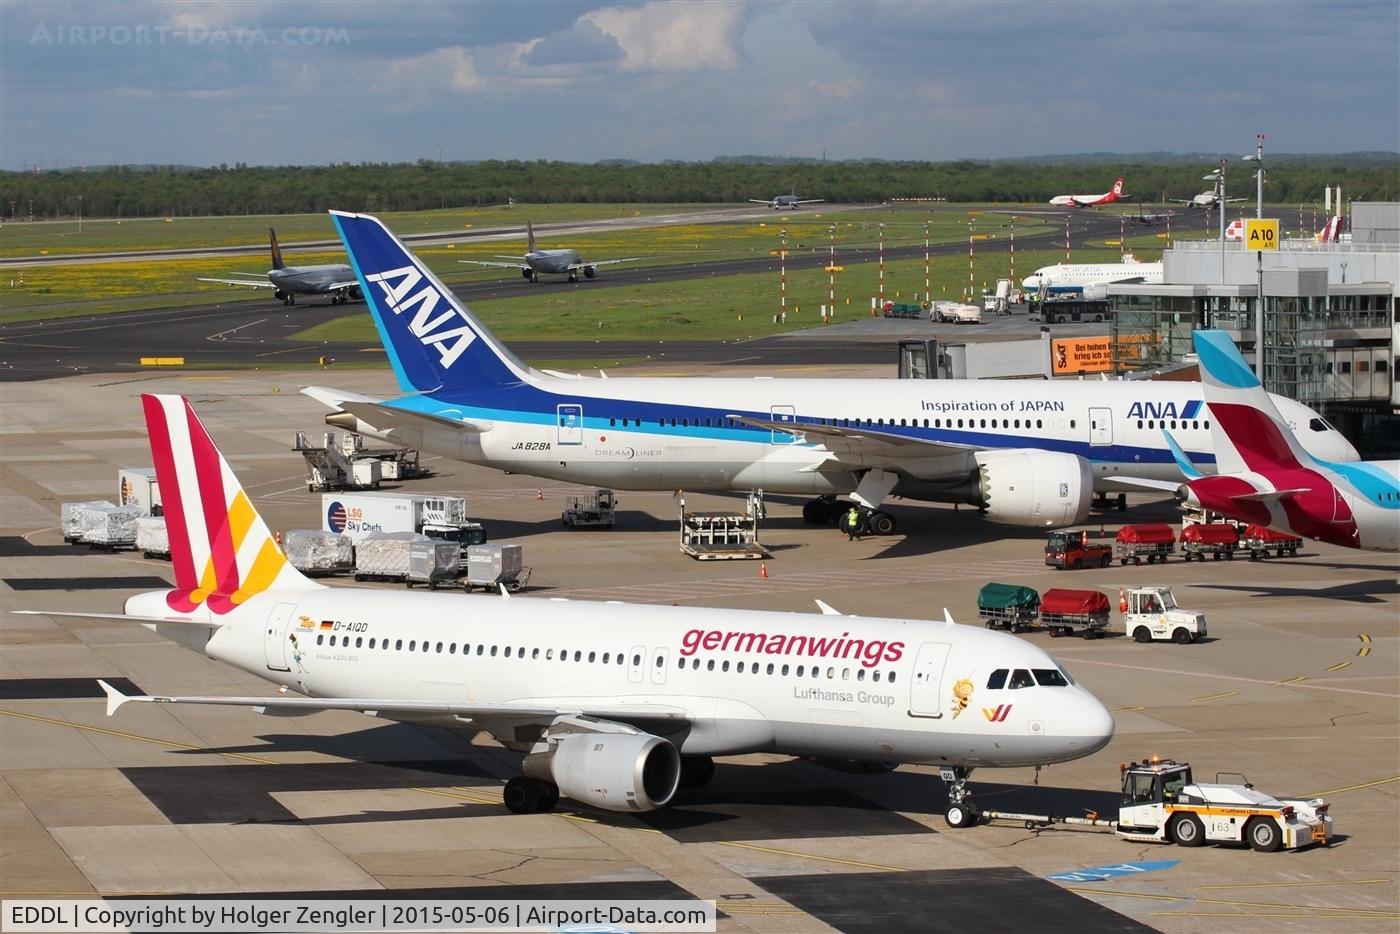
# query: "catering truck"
x,y
356,515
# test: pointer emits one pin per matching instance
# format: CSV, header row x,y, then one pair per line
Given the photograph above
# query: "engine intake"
x,y
1034,488
612,771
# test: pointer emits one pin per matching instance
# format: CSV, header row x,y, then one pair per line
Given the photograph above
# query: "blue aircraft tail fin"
x,y
276,249
434,343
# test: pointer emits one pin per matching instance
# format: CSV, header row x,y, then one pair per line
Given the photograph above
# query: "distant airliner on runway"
x,y
554,262
789,201
334,279
1089,201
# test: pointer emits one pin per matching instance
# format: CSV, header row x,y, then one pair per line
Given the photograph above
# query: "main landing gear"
x,y
828,510
962,812
524,795
697,771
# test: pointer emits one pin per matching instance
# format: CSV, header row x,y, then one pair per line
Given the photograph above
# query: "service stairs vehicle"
x,y
1152,613
1162,804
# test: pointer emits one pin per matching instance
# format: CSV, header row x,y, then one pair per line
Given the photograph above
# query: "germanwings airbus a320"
x,y
613,705
1265,476
555,262
1090,201
287,282
1025,453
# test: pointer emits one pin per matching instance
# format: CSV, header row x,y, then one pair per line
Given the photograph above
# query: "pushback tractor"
x,y
1162,803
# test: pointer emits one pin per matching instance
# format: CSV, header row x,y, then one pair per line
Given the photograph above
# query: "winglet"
x,y
827,609
948,618
1182,461
115,698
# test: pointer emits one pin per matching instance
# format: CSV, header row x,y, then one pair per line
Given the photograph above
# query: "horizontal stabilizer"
x,y
386,417
251,283
1146,483
125,618
1268,496
334,398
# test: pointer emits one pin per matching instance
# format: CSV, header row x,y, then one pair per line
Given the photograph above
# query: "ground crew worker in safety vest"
x,y
851,524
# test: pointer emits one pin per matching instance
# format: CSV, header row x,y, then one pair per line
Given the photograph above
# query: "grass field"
x,y
724,308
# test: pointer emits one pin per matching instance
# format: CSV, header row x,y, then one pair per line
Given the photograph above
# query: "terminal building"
x,y
1331,319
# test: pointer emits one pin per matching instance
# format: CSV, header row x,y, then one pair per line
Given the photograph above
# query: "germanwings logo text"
x,y
447,332
870,653
997,714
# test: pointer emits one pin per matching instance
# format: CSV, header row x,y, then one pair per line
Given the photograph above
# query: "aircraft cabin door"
x,y
1100,427
925,693
658,666
634,664
277,645
783,414
570,423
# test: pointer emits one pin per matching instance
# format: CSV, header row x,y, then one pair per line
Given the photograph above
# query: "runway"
x,y
259,331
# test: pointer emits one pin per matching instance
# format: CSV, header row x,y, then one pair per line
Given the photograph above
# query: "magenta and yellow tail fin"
x,y
221,549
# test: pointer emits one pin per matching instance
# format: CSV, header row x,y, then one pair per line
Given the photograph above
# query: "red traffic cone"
x,y
763,570
539,494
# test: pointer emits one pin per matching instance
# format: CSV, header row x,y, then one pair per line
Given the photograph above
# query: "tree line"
x,y
149,191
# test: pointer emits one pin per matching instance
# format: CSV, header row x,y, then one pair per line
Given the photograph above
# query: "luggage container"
x,y
1216,539
315,552
1008,606
1070,612
152,538
1153,541
111,528
70,517
492,566
384,555
434,562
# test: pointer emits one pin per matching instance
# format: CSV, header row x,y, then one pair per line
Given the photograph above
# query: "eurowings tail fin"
x,y
276,249
433,341
529,237
220,548
1247,431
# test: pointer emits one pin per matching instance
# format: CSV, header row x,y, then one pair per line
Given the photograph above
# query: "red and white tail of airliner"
x,y
1265,476
1089,201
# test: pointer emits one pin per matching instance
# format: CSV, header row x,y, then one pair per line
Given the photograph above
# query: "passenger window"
x,y
874,676
680,663
1049,678
892,674
1021,678
451,648
845,674
724,666
830,674
785,670
371,643
412,644
710,665
439,648
534,653
359,641
320,638
860,674
591,657
493,651
660,661
605,657
480,648
636,659
739,668
425,645
998,680
578,656
398,645
770,668
799,670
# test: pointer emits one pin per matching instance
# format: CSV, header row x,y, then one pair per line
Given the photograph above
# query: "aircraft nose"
x,y
1095,723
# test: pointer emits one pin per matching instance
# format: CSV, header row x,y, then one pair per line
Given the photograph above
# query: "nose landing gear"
x,y
961,812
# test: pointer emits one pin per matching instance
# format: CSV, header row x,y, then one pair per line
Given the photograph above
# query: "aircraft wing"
x,y
810,201
251,283
604,262
336,286
494,718
867,442
758,201
485,262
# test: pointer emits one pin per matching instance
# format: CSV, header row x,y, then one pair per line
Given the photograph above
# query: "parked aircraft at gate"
x,y
554,262
614,705
1025,453
287,282
1265,476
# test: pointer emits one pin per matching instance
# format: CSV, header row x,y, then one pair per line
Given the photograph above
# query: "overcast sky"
x,y
311,83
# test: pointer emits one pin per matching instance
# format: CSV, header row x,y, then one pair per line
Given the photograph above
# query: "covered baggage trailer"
x,y
1074,612
1217,539
1259,540
1153,541
1008,606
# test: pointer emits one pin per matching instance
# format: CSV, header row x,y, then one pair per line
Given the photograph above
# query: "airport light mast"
x,y
1258,175
1258,158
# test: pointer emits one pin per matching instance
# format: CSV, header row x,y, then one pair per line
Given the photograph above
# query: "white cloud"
x,y
449,69
683,35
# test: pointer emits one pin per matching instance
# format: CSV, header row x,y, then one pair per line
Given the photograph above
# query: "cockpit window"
x,y
1319,424
1050,678
1067,676
998,680
1021,678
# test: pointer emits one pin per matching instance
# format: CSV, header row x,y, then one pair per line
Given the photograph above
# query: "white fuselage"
x,y
1072,274
673,433
748,681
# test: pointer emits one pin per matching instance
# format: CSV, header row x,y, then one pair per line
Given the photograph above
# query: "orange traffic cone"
x,y
539,494
763,570
1122,601
277,537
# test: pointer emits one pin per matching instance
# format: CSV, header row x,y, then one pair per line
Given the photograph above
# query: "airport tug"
x,y
1162,804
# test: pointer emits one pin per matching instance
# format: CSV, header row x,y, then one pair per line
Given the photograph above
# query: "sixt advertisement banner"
x,y
1080,355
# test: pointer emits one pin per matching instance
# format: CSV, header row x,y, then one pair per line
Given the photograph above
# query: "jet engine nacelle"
x,y
612,771
1034,488
589,272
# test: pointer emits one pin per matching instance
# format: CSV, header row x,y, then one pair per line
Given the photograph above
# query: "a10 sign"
x,y
1261,234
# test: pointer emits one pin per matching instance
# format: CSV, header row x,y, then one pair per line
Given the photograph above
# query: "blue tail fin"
x,y
434,343
276,250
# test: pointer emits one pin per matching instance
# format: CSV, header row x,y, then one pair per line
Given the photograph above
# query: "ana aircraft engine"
x,y
1034,488
613,771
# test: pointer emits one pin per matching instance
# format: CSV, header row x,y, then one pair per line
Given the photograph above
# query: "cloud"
x,y
584,44
448,69
681,35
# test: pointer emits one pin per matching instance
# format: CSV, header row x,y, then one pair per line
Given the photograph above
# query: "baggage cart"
x,y
1154,541
1259,540
70,517
598,508
1008,606
1217,539
1074,612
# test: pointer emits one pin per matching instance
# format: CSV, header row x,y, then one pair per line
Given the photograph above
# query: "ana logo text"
x,y
1157,410
447,332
